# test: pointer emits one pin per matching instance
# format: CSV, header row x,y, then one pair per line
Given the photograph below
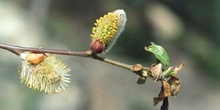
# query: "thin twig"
x,y
116,63
89,54
19,49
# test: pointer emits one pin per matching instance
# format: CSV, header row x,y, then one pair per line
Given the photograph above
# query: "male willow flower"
x,y
44,72
107,29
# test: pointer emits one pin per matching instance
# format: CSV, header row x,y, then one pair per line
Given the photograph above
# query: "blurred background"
x,y
188,29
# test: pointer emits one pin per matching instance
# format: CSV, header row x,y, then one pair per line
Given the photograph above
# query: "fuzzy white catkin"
x,y
121,25
48,76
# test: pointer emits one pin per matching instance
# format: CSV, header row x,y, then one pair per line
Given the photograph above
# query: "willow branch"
x,y
19,49
88,54
113,62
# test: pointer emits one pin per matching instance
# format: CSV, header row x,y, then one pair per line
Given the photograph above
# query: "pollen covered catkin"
x,y
49,75
107,29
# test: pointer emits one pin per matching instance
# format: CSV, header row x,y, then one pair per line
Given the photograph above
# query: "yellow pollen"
x,y
105,28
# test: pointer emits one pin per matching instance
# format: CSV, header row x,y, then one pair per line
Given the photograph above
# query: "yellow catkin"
x,y
105,28
48,76
108,28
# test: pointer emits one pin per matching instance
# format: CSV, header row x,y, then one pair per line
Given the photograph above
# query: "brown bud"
x,y
97,46
35,58
137,67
